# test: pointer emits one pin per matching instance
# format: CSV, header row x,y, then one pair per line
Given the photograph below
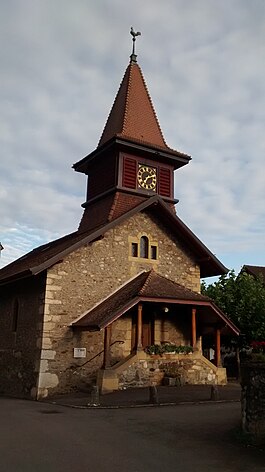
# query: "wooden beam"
x,y
107,337
193,328
139,327
218,348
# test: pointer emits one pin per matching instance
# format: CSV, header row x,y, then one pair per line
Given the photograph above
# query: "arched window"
x,y
144,247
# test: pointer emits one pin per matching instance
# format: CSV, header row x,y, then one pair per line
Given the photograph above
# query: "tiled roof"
x,y
146,286
132,122
256,271
125,296
132,114
38,256
157,286
108,208
47,255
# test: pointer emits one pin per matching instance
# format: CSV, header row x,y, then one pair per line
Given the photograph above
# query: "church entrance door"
x,y
148,330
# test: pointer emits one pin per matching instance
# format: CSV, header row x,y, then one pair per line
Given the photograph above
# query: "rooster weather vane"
x,y
134,35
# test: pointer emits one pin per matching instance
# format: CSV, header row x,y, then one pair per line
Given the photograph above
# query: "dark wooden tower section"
x,y
132,161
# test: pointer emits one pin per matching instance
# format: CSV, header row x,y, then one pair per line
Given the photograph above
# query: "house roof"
x,y
146,286
24,266
49,254
256,271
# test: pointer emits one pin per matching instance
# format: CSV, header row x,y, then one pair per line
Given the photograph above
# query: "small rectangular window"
x,y
153,252
134,250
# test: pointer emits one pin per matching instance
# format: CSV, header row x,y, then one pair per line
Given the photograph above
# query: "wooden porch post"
x,y
106,358
218,347
139,327
193,328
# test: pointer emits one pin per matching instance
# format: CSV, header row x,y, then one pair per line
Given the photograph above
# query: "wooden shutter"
x,y
129,172
165,182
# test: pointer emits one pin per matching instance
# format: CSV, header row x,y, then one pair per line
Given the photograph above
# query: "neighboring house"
x,y
255,271
84,307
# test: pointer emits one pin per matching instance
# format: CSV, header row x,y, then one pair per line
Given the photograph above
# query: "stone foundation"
x,y
253,401
194,369
107,381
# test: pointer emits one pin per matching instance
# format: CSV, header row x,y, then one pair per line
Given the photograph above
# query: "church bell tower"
x,y
132,161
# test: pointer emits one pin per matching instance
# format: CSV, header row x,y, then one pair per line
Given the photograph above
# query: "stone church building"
x,y
108,302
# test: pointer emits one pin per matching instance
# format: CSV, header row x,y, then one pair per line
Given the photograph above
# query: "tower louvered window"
x,y
129,173
165,182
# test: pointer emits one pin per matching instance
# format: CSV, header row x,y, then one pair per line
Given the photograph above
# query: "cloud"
x,y
60,70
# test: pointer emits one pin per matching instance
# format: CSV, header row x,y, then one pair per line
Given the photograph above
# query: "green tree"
x,y
242,299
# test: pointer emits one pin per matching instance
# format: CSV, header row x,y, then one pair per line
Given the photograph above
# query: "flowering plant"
x,y
258,346
168,348
258,351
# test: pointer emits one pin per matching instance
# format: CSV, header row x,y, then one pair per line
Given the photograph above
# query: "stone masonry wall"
x,y
121,336
253,401
19,353
86,276
153,370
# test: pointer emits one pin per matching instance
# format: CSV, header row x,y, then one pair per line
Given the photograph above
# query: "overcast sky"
x,y
61,63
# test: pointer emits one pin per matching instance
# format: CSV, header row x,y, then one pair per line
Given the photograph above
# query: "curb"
x,y
140,405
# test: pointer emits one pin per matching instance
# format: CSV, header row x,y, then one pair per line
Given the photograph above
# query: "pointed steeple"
x,y
132,162
132,115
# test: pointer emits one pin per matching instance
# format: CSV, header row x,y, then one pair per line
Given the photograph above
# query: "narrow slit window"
x,y
134,250
15,316
144,247
153,252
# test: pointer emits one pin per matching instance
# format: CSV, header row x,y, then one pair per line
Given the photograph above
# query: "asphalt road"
x,y
38,437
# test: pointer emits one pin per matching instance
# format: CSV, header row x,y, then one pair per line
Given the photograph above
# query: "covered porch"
x,y
149,315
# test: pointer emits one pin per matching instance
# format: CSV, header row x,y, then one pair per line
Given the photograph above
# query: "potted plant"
x,y
169,348
184,349
154,349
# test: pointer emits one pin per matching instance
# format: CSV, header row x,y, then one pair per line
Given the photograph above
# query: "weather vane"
x,y
134,34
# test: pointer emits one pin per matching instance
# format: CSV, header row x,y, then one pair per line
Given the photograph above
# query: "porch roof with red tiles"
x,y
145,287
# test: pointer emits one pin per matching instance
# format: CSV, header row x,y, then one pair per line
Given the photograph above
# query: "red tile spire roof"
x,y
132,115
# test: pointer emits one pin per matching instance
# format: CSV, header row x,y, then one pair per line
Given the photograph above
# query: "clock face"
x,y
146,177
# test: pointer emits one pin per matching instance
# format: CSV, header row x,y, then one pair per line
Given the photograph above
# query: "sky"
x,y
61,63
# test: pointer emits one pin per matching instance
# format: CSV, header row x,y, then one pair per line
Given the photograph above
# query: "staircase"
x,y
140,370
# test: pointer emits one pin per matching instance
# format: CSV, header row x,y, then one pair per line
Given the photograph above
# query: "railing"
x,y
94,357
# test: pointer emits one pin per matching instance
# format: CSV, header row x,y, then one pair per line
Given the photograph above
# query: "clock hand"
x,y
150,177
146,178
